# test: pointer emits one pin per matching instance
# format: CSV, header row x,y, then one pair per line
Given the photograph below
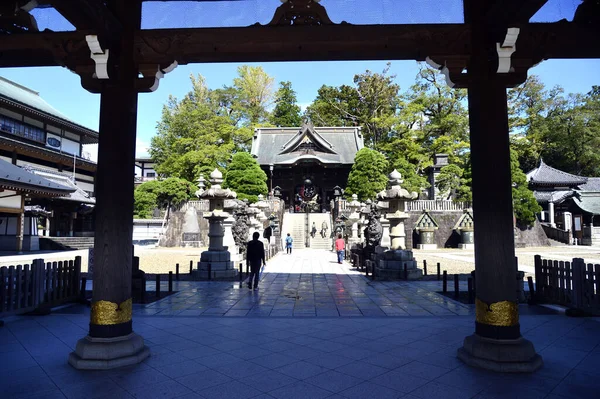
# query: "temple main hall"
x,y
304,164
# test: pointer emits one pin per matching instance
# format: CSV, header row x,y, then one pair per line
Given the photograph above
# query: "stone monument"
x,y
354,218
465,227
426,226
217,255
191,229
390,264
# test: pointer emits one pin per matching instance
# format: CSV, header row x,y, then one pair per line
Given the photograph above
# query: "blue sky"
x,y
62,89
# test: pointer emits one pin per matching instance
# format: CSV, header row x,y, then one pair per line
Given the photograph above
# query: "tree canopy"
x,y
287,111
245,177
368,174
161,194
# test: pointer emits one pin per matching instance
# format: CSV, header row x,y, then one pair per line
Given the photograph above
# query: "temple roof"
x,y
588,202
27,98
553,196
13,177
76,193
549,176
289,145
592,184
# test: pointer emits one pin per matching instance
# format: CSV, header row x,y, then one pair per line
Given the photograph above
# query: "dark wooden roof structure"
x,y
291,36
18,179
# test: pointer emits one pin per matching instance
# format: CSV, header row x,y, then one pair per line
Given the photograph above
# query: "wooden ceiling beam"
x,y
301,43
506,12
89,14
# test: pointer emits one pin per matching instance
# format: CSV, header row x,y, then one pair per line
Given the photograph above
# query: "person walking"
x,y
288,243
313,230
255,255
340,245
324,228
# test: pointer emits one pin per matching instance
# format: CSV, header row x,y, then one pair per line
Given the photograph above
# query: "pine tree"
x,y
368,174
525,205
245,177
287,111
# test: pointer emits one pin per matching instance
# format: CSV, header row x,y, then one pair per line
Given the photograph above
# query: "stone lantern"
x,y
217,254
354,206
201,186
465,228
364,216
426,226
391,263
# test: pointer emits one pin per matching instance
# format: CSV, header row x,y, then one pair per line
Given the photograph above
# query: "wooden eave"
x,y
88,136
25,189
45,154
448,43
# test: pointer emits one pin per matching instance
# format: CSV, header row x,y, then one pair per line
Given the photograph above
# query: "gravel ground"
x,y
163,260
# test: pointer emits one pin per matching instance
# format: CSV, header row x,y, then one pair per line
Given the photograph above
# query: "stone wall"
x,y
174,235
445,236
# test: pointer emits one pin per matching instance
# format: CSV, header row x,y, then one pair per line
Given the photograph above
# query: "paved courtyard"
x,y
314,329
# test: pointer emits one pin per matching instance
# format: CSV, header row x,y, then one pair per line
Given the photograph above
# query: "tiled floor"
x,y
286,356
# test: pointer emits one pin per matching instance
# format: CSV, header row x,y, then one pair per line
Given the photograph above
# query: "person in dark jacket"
x,y
255,254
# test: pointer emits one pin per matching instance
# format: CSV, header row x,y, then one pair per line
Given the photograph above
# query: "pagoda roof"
x,y
549,176
592,184
289,145
15,178
553,196
23,97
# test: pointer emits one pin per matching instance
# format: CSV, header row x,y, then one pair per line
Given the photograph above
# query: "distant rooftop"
x,y
549,176
24,96
15,178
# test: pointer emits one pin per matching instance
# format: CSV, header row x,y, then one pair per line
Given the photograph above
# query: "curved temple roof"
x,y
18,179
547,175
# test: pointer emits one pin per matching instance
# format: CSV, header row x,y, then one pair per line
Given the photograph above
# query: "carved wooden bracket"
x,y
300,12
506,49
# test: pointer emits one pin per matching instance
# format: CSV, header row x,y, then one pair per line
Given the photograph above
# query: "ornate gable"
x,y
465,222
307,141
426,222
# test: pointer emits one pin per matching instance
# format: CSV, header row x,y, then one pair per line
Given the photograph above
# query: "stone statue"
x,y
373,231
240,228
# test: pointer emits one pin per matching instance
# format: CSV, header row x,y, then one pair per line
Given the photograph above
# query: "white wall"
x,y
12,202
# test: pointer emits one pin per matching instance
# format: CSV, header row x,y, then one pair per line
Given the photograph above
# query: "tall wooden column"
x,y
497,343
111,342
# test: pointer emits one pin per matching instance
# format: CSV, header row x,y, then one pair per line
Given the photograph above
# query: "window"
x,y
151,174
12,126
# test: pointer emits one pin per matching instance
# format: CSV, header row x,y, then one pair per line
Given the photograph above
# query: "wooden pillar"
x,y
111,307
497,343
21,225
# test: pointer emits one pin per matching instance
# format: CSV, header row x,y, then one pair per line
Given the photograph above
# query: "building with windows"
x,y
144,170
37,137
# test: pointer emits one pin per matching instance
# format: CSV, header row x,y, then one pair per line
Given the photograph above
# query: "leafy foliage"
x,y
449,180
525,205
161,193
412,180
368,174
245,177
287,111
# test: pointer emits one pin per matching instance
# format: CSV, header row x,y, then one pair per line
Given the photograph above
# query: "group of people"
x,y
324,228
255,253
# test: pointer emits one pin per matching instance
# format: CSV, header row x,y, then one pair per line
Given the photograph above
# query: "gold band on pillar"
x,y
105,313
502,314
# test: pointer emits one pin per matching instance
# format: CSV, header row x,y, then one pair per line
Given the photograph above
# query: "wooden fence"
x,y
574,284
24,288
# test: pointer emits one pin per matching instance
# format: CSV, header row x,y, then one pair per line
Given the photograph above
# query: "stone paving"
x,y
307,283
197,353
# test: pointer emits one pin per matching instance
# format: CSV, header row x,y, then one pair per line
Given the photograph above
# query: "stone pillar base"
x,y
466,246
427,246
108,353
505,356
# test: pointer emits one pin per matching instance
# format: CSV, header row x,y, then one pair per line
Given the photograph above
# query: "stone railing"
x,y
559,235
437,205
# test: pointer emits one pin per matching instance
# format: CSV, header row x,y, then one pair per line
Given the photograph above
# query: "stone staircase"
x,y
73,242
319,242
295,224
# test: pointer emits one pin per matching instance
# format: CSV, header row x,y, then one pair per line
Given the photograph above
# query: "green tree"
x,y
525,205
144,204
255,93
368,174
334,106
412,180
287,111
449,180
245,177
199,133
